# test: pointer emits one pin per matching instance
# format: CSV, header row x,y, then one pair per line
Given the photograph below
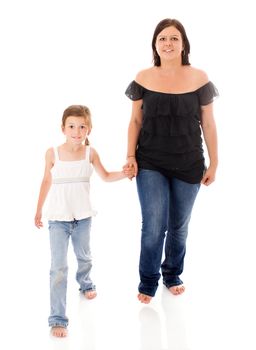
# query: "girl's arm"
x,y
45,186
133,135
210,137
102,172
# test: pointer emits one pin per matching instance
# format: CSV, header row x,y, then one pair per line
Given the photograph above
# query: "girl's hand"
x,y
209,176
38,221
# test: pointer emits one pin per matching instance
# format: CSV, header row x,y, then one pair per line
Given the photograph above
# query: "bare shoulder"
x,y
144,76
50,157
199,76
93,154
49,154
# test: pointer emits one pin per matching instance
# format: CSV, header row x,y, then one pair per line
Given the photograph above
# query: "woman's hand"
x,y
128,171
209,176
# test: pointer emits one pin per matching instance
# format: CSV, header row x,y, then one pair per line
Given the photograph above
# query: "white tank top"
x,y
69,196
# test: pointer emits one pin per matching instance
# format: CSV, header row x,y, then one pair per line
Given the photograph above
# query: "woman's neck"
x,y
170,67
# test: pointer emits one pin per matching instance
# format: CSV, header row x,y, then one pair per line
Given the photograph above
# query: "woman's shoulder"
x,y
206,90
144,75
198,76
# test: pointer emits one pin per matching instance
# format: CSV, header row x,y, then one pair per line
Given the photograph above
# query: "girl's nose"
x,y
77,131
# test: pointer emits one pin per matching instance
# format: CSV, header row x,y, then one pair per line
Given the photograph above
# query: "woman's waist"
x,y
170,161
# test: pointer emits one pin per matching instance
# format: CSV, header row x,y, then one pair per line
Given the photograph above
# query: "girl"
x,y
67,173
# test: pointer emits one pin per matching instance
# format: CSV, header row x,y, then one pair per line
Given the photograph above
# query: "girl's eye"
x,y
162,39
83,127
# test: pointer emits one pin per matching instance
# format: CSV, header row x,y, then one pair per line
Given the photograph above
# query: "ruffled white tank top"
x,y
69,197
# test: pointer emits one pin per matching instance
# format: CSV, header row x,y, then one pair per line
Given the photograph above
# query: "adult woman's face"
x,y
169,44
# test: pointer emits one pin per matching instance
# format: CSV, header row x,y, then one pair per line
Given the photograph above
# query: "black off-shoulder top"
x,y
170,138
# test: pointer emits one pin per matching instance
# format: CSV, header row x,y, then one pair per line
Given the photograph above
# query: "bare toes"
x,y
59,332
143,298
177,290
90,294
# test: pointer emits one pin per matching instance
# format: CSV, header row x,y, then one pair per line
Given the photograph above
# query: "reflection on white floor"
x,y
208,316
117,321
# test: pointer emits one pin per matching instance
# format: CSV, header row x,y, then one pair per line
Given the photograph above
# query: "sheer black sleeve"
x,y
207,93
134,91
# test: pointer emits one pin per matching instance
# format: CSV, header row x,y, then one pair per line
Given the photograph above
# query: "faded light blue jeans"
x,y
60,232
166,206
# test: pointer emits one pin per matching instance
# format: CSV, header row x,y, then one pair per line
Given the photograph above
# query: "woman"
x,y
172,107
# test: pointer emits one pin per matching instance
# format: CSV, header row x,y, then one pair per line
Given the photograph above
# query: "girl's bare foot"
x,y
59,331
177,290
143,298
90,294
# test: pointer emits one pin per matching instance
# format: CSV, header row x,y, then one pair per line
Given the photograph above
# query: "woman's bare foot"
x,y
90,294
59,331
177,290
143,298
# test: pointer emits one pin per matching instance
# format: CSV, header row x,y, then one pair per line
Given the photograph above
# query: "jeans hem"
x,y
173,284
63,325
82,290
150,293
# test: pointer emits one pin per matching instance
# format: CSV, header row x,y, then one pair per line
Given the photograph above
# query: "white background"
x,y
57,53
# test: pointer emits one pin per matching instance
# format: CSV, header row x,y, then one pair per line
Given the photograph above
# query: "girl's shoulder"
x,y
50,156
93,154
50,153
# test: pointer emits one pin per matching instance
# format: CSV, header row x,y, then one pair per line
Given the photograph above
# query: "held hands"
x,y
130,169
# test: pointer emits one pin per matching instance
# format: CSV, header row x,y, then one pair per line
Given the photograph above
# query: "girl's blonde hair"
x,y
78,111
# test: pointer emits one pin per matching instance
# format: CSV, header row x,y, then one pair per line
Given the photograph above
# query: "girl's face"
x,y
169,43
76,130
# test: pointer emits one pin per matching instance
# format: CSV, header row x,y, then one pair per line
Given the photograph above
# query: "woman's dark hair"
x,y
168,22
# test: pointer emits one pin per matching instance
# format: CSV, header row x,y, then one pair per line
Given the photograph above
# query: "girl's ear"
x,y
89,131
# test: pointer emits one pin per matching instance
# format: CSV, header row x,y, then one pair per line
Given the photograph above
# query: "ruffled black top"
x,y
170,137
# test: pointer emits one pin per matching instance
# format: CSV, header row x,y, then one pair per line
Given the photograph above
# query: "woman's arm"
x,y
133,135
210,138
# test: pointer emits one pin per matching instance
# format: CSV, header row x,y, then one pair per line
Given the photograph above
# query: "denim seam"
x,y
64,325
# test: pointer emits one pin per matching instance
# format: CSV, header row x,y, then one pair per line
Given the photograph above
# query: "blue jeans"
x,y
166,206
60,232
